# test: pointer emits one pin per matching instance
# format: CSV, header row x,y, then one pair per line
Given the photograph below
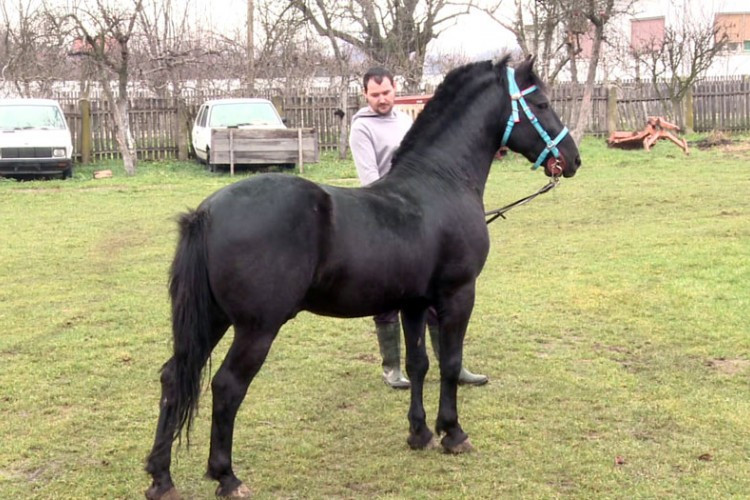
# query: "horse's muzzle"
x,y
554,167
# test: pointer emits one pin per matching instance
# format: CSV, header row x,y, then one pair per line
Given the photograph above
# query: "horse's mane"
x,y
440,108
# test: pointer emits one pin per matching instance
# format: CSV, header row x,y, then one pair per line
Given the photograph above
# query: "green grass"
x,y
612,318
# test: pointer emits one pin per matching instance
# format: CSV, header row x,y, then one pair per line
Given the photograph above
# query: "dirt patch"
x,y
715,139
729,366
367,358
120,241
737,147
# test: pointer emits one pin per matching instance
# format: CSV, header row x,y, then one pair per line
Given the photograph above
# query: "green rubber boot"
x,y
465,377
389,339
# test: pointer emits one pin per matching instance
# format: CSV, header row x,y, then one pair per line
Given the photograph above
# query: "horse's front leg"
x,y
413,319
454,311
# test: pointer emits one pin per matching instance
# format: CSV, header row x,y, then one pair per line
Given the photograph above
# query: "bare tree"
x,y
286,52
444,63
599,13
250,47
342,58
104,32
30,52
172,49
394,34
287,49
679,58
542,30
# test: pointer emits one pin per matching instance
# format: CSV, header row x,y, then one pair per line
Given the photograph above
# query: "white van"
x,y
34,139
253,113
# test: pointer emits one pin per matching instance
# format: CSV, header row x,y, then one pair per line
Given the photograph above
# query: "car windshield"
x,y
244,113
30,116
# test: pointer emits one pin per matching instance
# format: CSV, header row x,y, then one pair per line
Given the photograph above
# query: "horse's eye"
x,y
543,105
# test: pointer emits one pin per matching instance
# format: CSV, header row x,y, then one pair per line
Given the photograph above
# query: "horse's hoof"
x,y
241,491
462,447
433,444
170,494
416,442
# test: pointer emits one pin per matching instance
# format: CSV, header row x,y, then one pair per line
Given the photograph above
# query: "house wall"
x,y
646,34
735,25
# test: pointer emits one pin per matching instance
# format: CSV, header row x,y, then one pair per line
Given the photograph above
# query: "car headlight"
x,y
58,153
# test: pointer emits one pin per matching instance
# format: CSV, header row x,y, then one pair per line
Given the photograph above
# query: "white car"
x,y
227,113
34,139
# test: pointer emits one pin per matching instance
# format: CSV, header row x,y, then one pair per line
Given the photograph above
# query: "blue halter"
x,y
516,96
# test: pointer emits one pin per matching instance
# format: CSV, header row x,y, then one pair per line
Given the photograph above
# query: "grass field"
x,y
612,317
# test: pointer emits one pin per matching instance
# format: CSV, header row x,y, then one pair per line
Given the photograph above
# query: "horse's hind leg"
x,y
417,364
229,386
159,460
454,312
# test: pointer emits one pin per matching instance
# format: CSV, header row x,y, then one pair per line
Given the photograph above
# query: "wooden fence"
x,y
155,123
716,104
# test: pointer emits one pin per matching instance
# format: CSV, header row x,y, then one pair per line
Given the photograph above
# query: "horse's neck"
x,y
461,151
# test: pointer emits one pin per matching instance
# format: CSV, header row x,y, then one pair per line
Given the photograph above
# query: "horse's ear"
x,y
503,61
528,63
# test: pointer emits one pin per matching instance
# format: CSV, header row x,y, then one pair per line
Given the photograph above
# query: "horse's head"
x,y
534,129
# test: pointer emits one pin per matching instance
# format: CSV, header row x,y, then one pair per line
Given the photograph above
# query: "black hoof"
x,y
165,493
421,441
454,440
462,447
241,491
230,487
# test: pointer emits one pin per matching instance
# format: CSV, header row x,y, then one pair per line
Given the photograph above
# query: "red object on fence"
x,y
412,105
656,128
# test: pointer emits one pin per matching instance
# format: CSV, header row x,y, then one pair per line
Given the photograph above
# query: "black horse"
x,y
257,252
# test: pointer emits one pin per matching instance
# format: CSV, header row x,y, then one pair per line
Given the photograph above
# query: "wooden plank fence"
x,y
718,104
258,146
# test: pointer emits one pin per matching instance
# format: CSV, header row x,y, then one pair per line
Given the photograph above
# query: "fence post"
x,y
182,129
278,103
85,107
300,158
611,109
689,111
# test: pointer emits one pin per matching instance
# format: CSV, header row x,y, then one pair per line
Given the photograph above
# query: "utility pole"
x,y
250,48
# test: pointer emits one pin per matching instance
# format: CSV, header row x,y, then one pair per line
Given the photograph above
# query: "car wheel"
x,y
67,173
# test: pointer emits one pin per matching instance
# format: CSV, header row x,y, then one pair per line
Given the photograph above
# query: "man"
x,y
376,132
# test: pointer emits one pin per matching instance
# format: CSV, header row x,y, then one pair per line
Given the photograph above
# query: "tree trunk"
x,y
573,66
584,111
124,138
181,127
344,106
689,113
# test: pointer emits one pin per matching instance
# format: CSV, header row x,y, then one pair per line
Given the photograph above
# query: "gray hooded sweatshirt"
x,y
373,140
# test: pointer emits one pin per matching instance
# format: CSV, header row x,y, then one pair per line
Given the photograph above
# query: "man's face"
x,y
380,96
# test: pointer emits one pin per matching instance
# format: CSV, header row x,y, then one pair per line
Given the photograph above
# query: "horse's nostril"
x,y
578,161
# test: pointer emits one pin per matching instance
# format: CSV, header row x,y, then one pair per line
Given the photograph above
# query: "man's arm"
x,y
363,152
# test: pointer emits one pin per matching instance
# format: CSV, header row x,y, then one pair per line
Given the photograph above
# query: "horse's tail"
x,y
192,303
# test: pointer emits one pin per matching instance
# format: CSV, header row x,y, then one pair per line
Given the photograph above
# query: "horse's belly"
x,y
356,299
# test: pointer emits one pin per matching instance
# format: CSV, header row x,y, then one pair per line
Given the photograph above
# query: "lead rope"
x,y
500,212
516,96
